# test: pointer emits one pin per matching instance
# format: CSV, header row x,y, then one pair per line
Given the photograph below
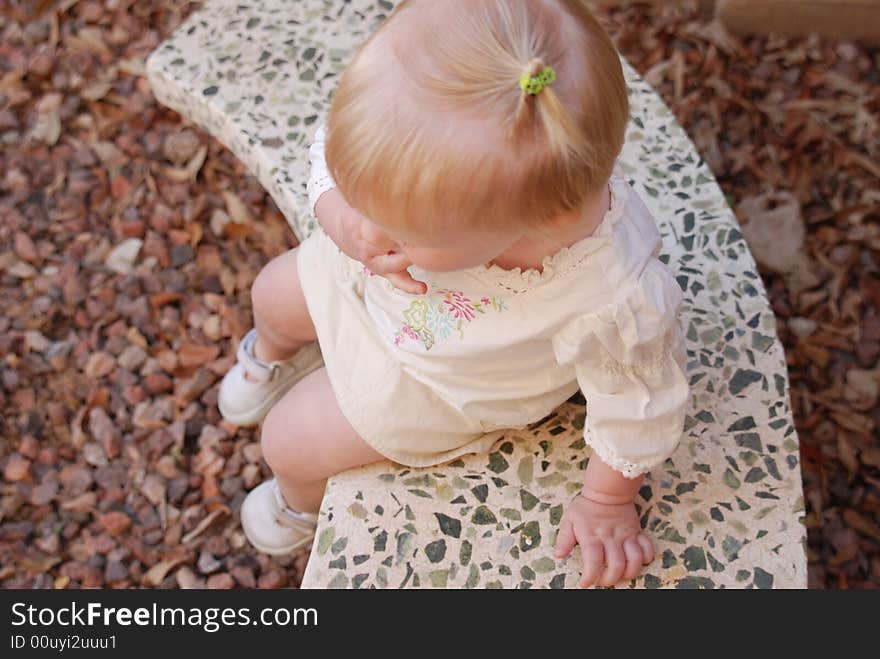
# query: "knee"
x,y
275,282
264,290
285,448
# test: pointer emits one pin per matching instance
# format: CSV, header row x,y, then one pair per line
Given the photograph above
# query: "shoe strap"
x,y
261,371
303,522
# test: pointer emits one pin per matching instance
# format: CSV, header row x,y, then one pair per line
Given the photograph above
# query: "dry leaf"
x,y
236,208
209,519
156,574
47,127
774,229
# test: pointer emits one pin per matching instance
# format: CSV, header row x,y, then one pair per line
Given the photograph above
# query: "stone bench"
x,y
726,510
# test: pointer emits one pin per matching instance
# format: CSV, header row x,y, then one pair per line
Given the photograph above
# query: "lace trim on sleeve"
x,y
318,185
603,450
320,179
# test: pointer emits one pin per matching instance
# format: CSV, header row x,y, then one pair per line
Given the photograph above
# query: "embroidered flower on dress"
x,y
404,333
429,319
415,314
439,321
459,305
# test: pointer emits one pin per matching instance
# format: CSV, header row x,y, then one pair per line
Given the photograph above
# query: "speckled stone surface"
x,y
726,510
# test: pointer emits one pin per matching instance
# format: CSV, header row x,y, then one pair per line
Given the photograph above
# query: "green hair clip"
x,y
535,84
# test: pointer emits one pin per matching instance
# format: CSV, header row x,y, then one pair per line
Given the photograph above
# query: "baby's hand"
x,y
379,253
612,543
363,241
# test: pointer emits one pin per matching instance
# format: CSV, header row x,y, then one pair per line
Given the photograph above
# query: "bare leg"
x,y
306,439
281,316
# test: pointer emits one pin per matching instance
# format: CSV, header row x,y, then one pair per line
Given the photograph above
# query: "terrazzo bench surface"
x,y
725,511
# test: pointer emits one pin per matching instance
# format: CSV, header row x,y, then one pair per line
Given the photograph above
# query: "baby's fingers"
x,y
404,281
565,539
647,547
372,234
381,264
593,555
615,563
634,558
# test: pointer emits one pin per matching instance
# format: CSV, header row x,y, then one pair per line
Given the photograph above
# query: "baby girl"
x,y
479,258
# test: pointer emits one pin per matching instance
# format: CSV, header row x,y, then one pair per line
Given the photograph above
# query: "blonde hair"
x,y
434,131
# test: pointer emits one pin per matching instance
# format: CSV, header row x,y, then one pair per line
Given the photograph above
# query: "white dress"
x,y
426,378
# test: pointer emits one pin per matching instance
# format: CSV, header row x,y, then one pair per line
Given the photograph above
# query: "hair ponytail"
x,y
546,108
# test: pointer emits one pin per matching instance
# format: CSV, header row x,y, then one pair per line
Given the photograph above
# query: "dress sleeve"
x,y
630,361
319,179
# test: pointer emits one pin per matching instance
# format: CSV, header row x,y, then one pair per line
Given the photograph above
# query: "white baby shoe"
x,y
272,526
245,401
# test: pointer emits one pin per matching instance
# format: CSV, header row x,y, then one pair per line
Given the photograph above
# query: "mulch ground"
x,y
129,240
